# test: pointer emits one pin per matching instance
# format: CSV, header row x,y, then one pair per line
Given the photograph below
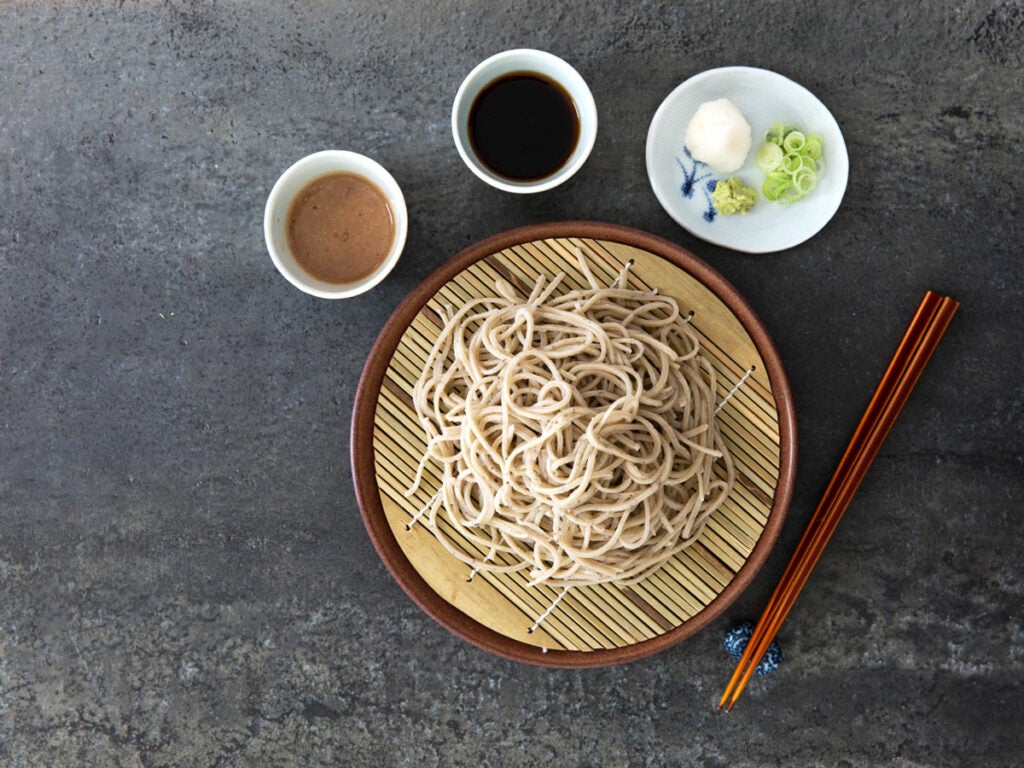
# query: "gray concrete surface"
x,y
184,576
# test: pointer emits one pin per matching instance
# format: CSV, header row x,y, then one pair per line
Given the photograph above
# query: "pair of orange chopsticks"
x,y
918,343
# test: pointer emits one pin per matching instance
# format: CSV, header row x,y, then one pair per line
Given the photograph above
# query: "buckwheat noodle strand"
x,y
574,432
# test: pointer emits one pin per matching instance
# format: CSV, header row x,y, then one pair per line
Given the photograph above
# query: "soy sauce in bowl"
x,y
524,126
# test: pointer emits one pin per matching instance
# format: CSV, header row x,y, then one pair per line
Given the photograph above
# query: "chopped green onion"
x,y
804,180
814,146
791,161
793,142
776,133
768,157
775,185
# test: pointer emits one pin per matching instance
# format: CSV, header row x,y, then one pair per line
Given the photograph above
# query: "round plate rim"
x,y
740,70
364,465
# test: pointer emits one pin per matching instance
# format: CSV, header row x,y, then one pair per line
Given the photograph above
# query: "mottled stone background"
x,y
184,576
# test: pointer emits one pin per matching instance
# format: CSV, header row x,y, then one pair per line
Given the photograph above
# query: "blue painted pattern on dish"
x,y
695,176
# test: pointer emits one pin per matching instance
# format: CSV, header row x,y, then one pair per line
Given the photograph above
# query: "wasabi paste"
x,y
733,196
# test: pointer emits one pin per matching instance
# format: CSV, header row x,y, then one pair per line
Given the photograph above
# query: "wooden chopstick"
x,y
920,340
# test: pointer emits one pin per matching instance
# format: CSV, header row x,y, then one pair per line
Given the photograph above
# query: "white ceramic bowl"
x,y
525,60
292,182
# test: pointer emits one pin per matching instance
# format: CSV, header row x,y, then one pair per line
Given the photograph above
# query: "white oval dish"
x,y
683,186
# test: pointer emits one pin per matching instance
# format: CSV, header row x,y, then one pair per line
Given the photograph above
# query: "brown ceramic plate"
x,y
602,624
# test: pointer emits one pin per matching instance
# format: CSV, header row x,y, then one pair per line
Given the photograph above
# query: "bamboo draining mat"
x,y
602,619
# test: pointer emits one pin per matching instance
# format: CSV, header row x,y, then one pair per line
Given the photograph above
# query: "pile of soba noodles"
x,y
574,433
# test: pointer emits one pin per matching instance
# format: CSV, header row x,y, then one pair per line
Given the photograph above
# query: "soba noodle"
x,y
574,434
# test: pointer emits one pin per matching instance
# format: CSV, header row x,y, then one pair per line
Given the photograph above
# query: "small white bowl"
x,y
525,60
292,181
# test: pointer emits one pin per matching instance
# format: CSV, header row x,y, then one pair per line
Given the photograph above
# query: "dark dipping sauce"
x,y
524,126
340,228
